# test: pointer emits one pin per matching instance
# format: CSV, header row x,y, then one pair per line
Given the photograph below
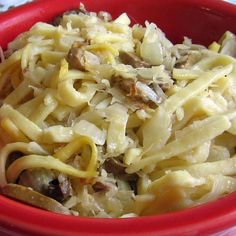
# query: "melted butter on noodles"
x,y
175,131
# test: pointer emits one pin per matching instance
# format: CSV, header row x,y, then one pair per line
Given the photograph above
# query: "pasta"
x,y
103,119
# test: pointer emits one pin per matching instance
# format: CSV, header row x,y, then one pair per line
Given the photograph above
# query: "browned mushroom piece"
x,y
117,168
130,58
99,187
125,84
59,188
46,182
137,91
81,59
37,179
114,166
29,196
76,58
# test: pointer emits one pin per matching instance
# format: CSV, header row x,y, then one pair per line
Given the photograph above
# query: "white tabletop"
x,y
5,4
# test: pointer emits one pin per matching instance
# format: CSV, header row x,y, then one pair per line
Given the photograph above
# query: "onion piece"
x,y
148,93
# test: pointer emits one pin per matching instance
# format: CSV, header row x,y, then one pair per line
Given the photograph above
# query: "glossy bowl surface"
x,y
203,21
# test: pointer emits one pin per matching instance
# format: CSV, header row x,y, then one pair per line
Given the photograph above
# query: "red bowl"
x,y
203,21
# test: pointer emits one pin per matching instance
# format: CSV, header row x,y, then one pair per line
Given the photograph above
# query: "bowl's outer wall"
x,y
203,21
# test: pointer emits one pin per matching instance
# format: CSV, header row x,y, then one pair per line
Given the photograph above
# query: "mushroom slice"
x,y
117,168
100,186
46,182
59,188
80,59
37,179
29,196
76,58
114,166
130,58
138,91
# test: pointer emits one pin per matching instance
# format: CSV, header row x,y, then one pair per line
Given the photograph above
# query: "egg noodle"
x,y
137,125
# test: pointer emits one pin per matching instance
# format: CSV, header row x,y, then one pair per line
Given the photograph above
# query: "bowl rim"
x,y
216,215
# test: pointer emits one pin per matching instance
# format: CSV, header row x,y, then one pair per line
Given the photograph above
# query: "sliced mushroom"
x,y
59,189
99,187
130,58
125,84
80,59
37,179
118,169
46,182
76,58
137,91
114,166
29,196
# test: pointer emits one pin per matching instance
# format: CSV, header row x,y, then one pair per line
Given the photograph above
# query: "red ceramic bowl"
x,y
203,21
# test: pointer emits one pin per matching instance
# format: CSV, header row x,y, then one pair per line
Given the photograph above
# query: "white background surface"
x,y
5,4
